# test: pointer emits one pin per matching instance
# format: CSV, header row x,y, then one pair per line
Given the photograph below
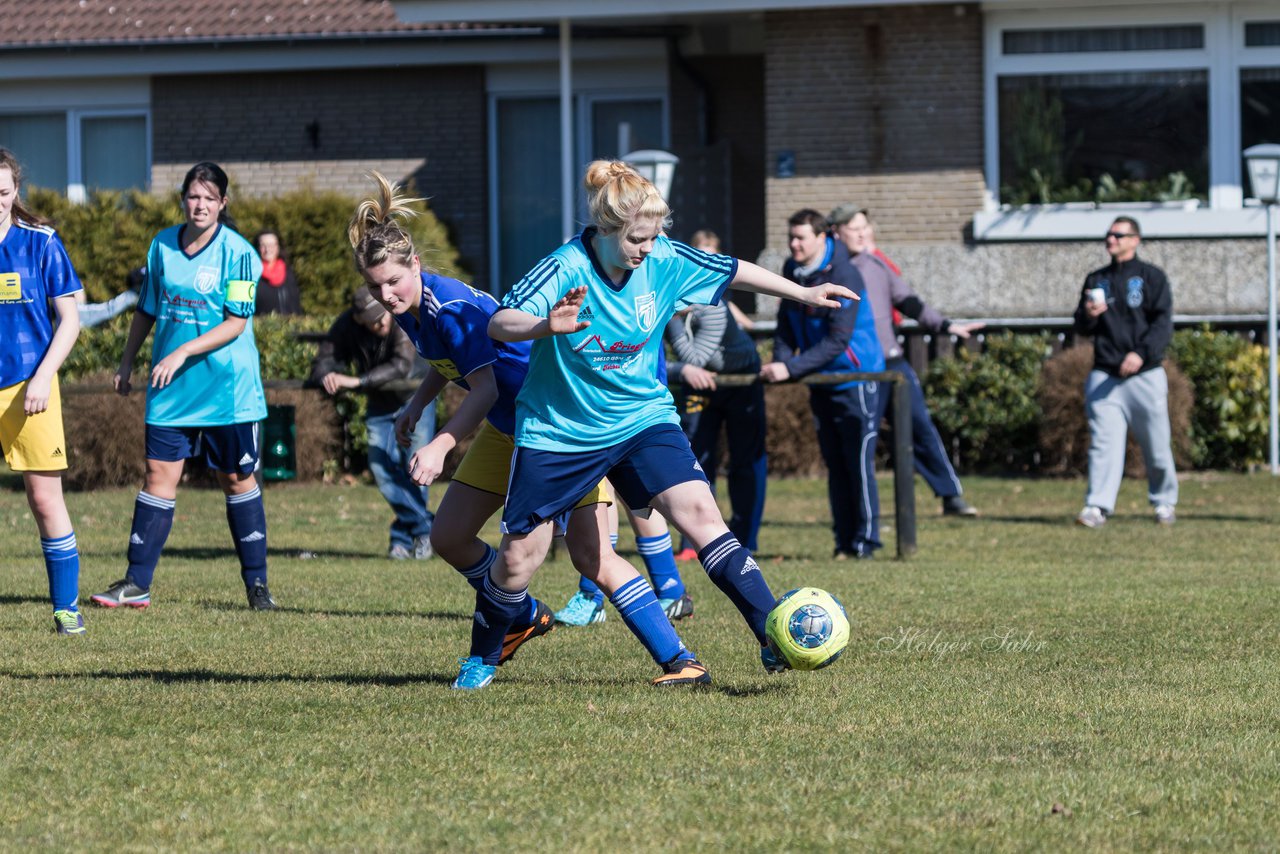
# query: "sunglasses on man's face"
x,y
1118,235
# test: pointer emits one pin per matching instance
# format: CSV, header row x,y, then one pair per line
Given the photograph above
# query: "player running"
x,y
34,269
447,320
592,405
205,392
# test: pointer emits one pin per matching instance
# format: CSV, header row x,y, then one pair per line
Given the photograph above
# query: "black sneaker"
x,y
954,505
677,609
544,620
260,598
683,671
123,592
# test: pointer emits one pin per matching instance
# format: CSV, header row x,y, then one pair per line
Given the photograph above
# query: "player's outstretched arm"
x,y
40,386
138,329
758,280
430,387
428,462
512,324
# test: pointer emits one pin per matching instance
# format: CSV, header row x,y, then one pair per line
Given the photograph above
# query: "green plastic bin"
x,y
279,439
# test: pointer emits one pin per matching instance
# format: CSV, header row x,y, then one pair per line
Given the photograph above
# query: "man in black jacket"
x,y
366,350
1127,307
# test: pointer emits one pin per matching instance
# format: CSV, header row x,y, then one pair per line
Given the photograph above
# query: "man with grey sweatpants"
x,y
1127,307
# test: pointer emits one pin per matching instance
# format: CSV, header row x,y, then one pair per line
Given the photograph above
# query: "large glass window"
x,y
1102,39
528,179
40,143
113,152
630,125
1110,137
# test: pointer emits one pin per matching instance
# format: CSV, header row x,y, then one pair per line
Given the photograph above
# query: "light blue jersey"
x,y
188,296
598,387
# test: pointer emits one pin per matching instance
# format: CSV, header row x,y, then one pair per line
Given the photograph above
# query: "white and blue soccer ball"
x,y
808,628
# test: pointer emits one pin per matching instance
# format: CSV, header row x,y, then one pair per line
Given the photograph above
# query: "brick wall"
x,y
882,106
276,131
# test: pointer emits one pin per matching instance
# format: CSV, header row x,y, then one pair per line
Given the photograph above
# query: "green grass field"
x,y
1021,684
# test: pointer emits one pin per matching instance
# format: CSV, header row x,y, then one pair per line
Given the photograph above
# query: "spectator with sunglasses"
x,y
1127,307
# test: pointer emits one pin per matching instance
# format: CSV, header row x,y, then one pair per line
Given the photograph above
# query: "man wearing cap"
x,y
365,349
887,291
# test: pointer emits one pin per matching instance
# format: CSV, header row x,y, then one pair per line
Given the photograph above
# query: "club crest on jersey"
x,y
647,311
206,280
1133,292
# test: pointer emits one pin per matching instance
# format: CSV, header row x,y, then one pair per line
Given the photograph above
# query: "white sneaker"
x,y
1165,514
1091,517
422,548
399,552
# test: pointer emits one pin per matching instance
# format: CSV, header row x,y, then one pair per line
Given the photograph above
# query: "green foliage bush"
x,y
1229,423
984,405
108,236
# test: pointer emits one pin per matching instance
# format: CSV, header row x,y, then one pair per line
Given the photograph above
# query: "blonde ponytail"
x,y
618,196
375,232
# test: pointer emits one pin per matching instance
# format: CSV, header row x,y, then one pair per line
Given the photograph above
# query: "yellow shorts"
x,y
32,442
487,467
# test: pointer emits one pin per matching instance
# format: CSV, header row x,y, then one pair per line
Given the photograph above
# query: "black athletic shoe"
x,y
677,609
260,598
123,592
683,671
544,620
954,505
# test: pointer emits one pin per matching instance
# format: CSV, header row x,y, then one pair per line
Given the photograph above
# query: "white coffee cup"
x,y
1096,295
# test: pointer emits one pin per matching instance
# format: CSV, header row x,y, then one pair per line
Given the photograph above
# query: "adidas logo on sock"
x,y
135,540
671,582
751,566
254,537
246,460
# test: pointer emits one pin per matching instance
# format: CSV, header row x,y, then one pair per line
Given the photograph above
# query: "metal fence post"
x,y
904,465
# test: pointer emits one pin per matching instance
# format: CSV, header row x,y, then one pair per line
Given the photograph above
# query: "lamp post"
x,y
1264,177
659,168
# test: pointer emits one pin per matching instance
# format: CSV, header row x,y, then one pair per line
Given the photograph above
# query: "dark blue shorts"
x,y
547,484
232,448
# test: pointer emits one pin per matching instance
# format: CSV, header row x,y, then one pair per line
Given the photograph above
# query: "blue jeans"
x,y
932,461
389,464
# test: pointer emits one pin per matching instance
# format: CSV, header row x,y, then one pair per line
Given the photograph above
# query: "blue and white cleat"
x,y
474,675
581,611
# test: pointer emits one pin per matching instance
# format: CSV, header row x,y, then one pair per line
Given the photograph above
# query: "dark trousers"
x,y
740,411
847,422
932,461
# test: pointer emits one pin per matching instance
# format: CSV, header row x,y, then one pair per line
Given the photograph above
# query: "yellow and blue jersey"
x,y
188,295
452,334
34,268
598,387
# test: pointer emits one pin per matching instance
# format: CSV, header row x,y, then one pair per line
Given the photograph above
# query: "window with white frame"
x,y
78,151
1099,112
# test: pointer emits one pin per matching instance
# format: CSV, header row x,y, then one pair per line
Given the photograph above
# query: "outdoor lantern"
x,y
1264,171
659,167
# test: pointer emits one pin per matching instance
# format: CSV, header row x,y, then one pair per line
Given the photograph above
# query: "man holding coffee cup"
x,y
1128,309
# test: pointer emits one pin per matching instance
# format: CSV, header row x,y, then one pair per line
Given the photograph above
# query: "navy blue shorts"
x,y
232,448
547,484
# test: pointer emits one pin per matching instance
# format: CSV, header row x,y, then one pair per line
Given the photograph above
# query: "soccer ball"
x,y
808,628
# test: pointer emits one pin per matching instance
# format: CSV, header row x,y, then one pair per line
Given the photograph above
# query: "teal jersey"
x,y
188,296
598,387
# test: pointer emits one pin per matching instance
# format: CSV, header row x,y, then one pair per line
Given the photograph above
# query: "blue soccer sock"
x,y
62,564
641,612
660,561
736,573
479,571
248,522
496,610
152,520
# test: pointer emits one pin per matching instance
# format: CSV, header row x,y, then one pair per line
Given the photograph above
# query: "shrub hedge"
x,y
108,236
1004,410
